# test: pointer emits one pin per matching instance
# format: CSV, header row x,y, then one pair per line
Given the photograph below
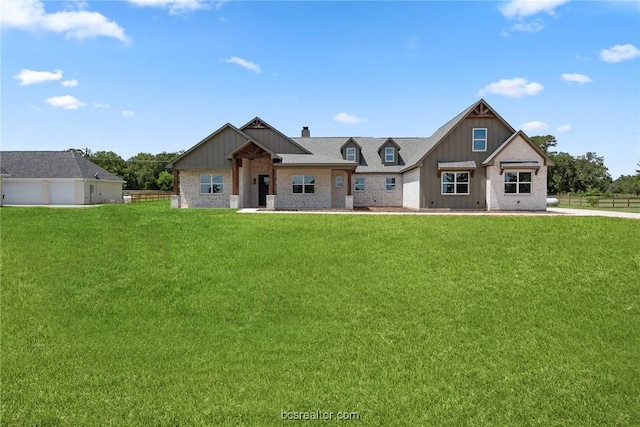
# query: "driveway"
x,y
587,212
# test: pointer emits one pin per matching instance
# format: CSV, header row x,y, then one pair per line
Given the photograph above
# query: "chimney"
x,y
306,133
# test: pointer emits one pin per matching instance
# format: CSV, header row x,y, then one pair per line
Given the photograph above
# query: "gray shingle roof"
x,y
411,150
51,164
313,159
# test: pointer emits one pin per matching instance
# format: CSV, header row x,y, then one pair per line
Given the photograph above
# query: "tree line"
x,y
144,171
585,174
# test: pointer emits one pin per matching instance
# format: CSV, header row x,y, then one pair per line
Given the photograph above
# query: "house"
x,y
55,178
475,161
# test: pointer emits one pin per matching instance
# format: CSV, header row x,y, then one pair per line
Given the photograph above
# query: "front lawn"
x,y
143,315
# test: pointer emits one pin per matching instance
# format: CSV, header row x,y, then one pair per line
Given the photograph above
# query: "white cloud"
x,y
528,27
564,128
98,105
80,24
534,126
347,118
66,102
523,8
127,113
512,88
28,77
244,63
576,78
175,6
69,83
619,52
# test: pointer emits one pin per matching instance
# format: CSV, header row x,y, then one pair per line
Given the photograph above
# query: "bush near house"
x,y
143,315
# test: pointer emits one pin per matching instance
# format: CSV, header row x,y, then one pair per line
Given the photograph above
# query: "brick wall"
x,y
375,193
286,199
190,196
518,150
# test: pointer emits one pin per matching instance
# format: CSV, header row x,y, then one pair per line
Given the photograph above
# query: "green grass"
x,y
143,315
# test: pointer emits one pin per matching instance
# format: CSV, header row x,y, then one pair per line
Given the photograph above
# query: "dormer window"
x,y
351,154
389,154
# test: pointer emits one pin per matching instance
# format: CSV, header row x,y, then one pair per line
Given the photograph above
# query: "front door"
x,y
263,189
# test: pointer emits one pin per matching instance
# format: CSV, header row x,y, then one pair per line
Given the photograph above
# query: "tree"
x,y
544,142
165,181
591,174
110,161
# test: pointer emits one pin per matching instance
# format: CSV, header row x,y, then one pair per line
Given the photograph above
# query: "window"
x,y
358,183
351,154
211,184
455,183
517,182
389,155
339,181
304,184
480,139
390,184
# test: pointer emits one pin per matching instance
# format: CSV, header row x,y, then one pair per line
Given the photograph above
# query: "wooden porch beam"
x,y
176,182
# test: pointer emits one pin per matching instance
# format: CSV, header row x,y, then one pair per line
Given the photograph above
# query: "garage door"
x,y
22,193
62,193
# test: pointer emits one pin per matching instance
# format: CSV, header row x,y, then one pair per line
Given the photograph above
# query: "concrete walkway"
x,y
588,212
551,212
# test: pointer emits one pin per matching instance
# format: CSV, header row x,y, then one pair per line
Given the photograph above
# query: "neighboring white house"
x,y
55,178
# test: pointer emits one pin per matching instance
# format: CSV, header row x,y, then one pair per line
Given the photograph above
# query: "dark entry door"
x,y
263,189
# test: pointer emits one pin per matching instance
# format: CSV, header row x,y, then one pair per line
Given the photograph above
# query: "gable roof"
x,y
480,106
490,160
258,123
52,165
247,144
350,141
205,140
389,141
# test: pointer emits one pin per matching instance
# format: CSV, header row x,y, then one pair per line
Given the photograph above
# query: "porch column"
x,y
348,182
272,178
235,181
176,182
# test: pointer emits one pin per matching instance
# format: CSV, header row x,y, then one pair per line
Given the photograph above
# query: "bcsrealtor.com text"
x,y
319,415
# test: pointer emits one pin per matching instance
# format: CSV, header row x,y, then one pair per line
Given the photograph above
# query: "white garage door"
x,y
22,193
62,193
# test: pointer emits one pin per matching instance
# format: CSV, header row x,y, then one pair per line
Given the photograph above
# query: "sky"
x,y
160,75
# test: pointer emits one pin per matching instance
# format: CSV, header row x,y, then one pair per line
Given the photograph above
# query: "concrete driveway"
x,y
587,212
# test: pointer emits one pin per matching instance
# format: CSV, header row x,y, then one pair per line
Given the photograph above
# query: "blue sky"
x,y
160,75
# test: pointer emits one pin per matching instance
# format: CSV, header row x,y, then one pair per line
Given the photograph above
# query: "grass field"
x,y
143,315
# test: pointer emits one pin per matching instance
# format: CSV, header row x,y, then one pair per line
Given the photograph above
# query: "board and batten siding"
x,y
212,153
274,141
457,147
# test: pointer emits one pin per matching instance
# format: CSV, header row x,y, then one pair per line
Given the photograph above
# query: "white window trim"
x,y
211,183
341,179
393,154
517,183
350,150
386,185
455,183
304,184
364,184
473,139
